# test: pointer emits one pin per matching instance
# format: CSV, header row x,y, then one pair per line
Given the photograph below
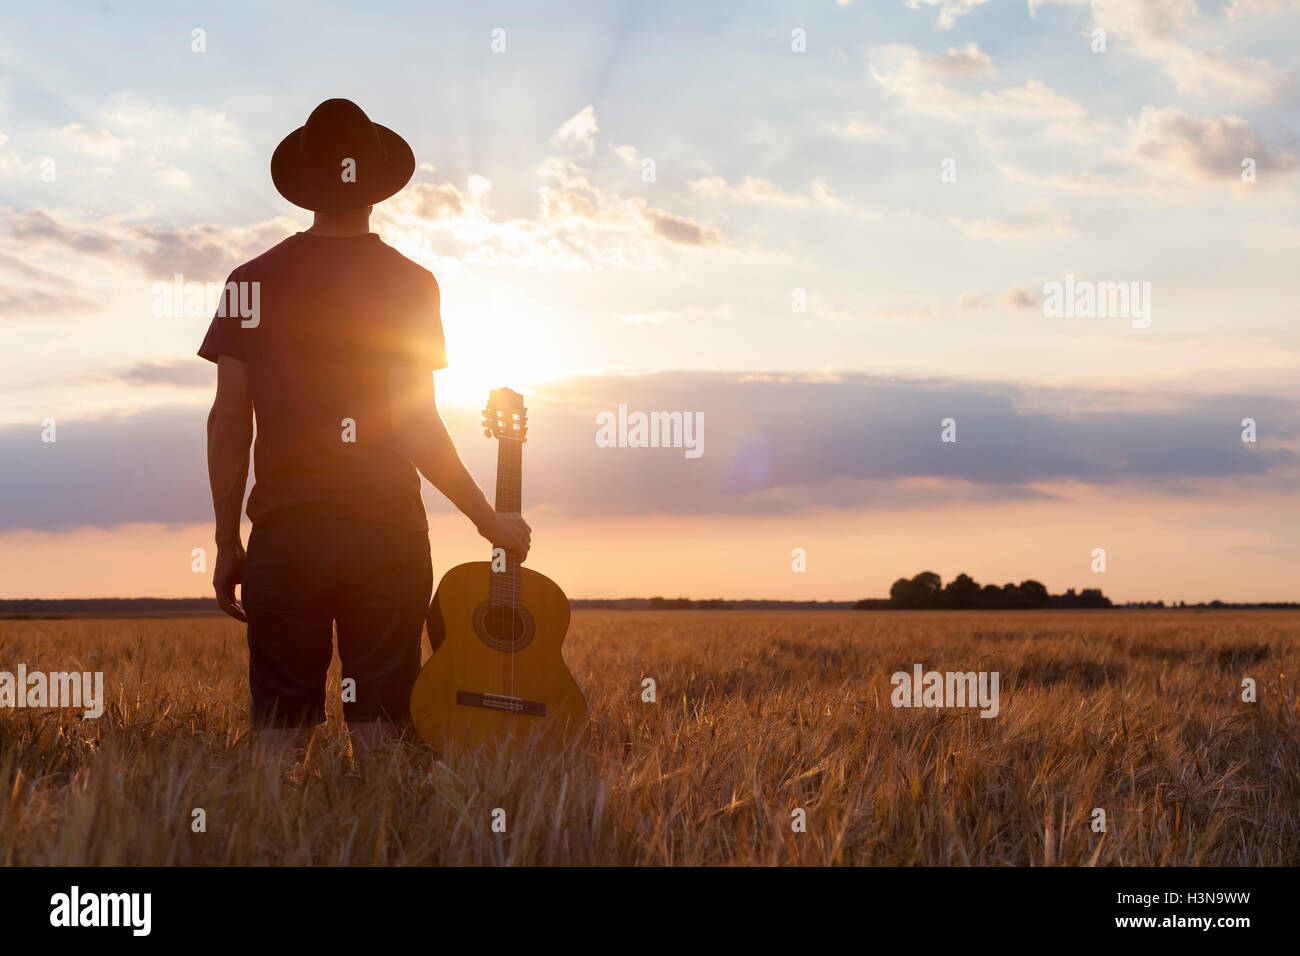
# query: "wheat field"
x,y
757,714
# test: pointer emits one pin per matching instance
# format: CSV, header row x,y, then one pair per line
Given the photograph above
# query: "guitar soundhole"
x,y
503,628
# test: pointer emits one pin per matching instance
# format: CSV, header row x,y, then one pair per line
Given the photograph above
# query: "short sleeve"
x,y
419,342
224,334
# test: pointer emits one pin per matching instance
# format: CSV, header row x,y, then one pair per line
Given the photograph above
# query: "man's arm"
x,y
423,437
230,432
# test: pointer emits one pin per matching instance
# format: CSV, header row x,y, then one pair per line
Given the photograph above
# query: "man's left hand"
x,y
228,572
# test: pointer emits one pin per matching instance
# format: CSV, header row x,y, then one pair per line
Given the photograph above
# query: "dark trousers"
x,y
303,574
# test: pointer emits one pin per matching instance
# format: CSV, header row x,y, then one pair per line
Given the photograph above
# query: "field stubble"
x,y
1137,713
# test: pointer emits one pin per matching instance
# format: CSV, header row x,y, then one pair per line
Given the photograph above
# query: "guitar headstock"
x,y
505,415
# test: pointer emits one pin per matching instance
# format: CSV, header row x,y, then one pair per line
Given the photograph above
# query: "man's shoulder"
x,y
414,272
266,260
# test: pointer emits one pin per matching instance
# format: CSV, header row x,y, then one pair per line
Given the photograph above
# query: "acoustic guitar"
x,y
496,629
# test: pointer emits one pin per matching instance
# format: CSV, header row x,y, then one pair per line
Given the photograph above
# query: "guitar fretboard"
x,y
510,454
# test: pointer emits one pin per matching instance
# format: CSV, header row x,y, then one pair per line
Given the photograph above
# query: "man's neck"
x,y
354,222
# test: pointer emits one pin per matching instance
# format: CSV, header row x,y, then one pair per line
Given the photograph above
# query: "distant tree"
x,y
921,592
926,590
1033,594
1092,597
670,604
961,592
900,593
873,604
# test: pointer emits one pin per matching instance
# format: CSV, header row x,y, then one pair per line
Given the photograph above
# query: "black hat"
x,y
309,166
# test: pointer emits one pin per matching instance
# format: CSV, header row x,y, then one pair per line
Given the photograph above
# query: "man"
x,y
335,360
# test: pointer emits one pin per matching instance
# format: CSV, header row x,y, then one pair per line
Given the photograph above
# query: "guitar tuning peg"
x,y
487,432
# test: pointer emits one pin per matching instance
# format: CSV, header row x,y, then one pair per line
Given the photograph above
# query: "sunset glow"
x,y
826,253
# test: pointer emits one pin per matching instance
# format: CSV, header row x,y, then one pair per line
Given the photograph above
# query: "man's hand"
x,y
228,572
509,531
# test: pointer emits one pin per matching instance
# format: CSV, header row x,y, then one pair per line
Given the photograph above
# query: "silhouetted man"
x,y
335,363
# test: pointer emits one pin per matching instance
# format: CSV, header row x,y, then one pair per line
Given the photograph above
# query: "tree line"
x,y
926,591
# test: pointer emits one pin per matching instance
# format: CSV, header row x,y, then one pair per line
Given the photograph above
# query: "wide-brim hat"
x,y
311,165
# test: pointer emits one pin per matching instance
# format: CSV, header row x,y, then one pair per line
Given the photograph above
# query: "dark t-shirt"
x,y
334,315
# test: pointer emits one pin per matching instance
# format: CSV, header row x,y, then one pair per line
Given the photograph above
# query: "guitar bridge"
x,y
534,708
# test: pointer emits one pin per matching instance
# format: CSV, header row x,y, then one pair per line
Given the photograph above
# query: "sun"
x,y
516,352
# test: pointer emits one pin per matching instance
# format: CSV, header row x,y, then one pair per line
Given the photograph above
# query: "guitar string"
x,y
509,476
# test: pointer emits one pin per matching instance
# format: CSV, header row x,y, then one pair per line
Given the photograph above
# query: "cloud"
x,y
680,230
969,60
129,133
772,443
1162,141
1027,227
202,252
949,10
38,304
753,189
1152,30
1201,148
1019,298
184,373
579,128
1237,10
38,226
41,294
720,310
577,225
860,129
13,166
917,80
649,318
1087,181
628,155
434,201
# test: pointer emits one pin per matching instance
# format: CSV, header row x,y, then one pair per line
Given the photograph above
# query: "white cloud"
x,y
753,189
577,225
719,310
648,318
860,129
1201,148
1080,182
1019,299
13,166
1152,30
949,10
969,60
1028,227
913,77
579,128
1241,9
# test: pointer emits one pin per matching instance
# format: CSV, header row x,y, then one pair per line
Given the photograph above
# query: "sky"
x,y
825,229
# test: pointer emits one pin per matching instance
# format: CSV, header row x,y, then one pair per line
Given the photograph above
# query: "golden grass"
x,y
1138,713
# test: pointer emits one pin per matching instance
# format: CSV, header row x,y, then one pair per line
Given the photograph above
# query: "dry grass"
x,y
758,713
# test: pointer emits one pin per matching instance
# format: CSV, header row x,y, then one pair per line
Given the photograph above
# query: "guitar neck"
x,y
510,479
510,454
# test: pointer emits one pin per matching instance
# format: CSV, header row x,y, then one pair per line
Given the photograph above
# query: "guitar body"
x,y
496,671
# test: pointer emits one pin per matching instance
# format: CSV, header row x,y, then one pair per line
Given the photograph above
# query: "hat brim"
x,y
294,184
